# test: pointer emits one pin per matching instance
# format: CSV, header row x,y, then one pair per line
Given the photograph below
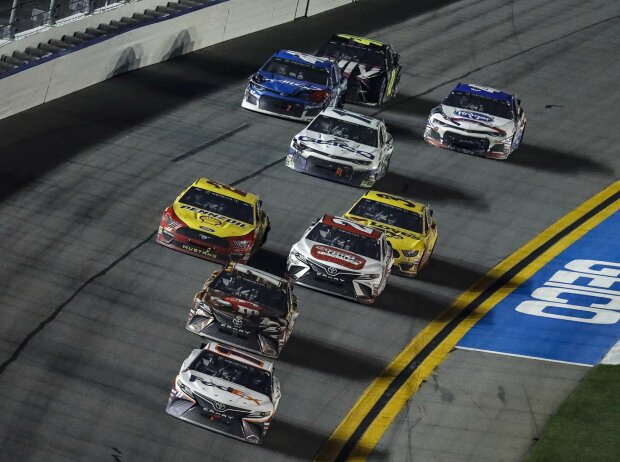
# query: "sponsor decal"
x,y
360,117
569,310
349,66
244,306
225,388
473,115
351,226
481,88
295,83
392,233
337,256
217,185
209,230
206,252
308,58
214,215
210,220
339,144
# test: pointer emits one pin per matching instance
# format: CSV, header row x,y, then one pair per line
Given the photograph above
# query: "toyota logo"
x,y
237,322
219,406
331,270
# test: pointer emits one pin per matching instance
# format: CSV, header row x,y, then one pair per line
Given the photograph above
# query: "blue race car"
x,y
295,86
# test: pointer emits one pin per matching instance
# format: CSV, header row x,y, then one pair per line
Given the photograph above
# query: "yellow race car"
x,y
409,226
214,221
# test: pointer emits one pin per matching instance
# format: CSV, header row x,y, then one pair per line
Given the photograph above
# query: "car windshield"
x,y
251,287
350,51
342,129
345,240
298,71
215,365
479,103
388,214
219,204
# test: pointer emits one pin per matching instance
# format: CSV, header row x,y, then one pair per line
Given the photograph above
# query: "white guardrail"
x,y
140,46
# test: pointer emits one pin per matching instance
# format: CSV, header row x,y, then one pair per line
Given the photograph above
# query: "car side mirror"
x,y
431,212
396,58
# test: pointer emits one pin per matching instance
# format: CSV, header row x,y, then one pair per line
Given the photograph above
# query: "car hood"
x,y
226,392
475,120
288,86
211,222
402,237
239,306
344,260
360,70
335,146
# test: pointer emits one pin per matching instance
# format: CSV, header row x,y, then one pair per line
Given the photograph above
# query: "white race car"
x,y
342,146
227,391
477,120
342,257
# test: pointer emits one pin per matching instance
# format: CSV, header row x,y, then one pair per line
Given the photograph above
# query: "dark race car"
x,y
295,86
245,307
371,67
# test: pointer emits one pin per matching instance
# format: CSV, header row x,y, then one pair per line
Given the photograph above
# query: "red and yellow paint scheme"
x,y
214,221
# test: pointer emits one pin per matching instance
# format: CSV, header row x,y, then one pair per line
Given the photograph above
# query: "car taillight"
x,y
319,96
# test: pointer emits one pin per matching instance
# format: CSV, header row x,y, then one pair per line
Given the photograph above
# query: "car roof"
x,y
488,92
351,226
268,277
225,190
353,117
237,355
396,201
360,40
305,58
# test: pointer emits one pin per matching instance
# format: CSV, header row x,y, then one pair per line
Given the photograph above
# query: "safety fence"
x,y
19,17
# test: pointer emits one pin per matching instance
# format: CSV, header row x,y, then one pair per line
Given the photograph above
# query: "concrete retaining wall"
x,y
76,69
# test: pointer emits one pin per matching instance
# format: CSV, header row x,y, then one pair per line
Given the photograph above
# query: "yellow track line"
x,y
376,389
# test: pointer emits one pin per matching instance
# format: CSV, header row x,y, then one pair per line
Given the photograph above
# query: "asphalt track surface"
x,y
93,310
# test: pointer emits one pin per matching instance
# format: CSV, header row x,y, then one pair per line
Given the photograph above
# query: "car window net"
x,y
297,71
479,103
342,129
214,365
250,288
219,204
388,214
345,240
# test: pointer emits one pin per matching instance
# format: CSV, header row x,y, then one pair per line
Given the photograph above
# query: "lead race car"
x,y
371,67
245,307
214,221
227,391
342,257
477,120
295,86
409,226
342,146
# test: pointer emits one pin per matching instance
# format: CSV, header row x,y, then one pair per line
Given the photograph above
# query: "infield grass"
x,y
587,425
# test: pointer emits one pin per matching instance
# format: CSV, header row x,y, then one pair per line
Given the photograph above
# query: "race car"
x,y
371,68
295,86
409,227
342,257
342,146
214,221
227,391
477,120
245,307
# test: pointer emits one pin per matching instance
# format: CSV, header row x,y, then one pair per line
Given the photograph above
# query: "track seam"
x,y
24,343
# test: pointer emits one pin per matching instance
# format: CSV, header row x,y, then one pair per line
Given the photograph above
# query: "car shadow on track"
x,y
269,260
310,353
296,439
540,158
423,190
